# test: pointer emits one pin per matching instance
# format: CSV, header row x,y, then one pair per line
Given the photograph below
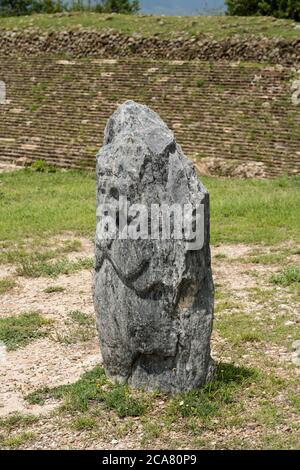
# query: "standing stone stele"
x,y
153,298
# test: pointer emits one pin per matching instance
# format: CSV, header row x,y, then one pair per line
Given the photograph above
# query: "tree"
x,y
14,7
121,6
278,8
26,7
242,7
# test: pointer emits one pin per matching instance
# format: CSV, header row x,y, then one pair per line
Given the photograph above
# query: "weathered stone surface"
x,y
153,298
112,44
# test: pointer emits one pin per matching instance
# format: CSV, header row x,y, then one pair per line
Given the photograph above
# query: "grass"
x,y
35,204
17,420
37,251
200,83
290,275
38,261
80,327
6,285
54,289
53,269
275,256
14,430
19,330
93,387
254,211
220,404
14,442
254,397
212,398
47,204
84,422
241,328
81,318
213,27
151,431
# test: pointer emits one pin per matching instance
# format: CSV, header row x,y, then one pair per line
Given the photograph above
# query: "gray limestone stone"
x,y
153,298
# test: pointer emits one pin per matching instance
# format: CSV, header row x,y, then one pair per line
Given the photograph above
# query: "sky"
x,y
182,7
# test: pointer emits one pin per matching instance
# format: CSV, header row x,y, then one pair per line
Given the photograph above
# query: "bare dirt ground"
x,y
52,361
46,362
6,167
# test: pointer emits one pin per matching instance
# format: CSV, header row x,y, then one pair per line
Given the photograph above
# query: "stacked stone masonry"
x,y
56,108
111,44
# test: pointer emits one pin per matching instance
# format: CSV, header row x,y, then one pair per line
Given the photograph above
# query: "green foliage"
x,y
242,7
278,8
121,6
200,83
27,7
19,330
42,166
14,7
107,6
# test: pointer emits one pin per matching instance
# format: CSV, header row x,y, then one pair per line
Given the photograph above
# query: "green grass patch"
x,y
17,331
80,327
15,441
290,275
41,165
93,387
37,251
53,269
83,423
212,27
54,289
220,256
251,337
210,400
151,431
277,440
6,285
225,303
254,211
16,421
81,318
199,83
240,327
279,256
268,414
38,205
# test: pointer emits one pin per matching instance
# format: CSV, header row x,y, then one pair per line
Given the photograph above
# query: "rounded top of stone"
x,y
140,123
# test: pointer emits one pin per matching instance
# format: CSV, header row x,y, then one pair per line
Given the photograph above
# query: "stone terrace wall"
x,y
111,44
56,109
